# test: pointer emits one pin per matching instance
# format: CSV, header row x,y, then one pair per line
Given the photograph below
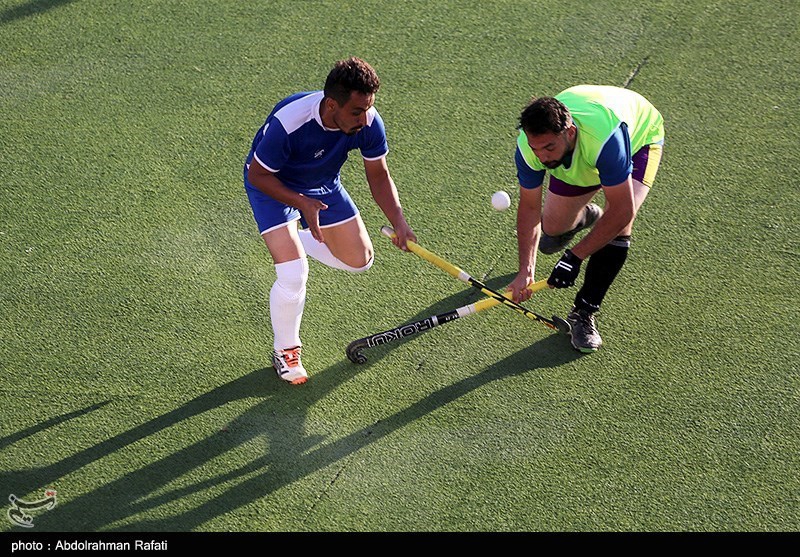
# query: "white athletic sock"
x,y
287,298
322,253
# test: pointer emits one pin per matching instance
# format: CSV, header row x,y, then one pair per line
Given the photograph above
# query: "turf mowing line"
x,y
329,486
635,72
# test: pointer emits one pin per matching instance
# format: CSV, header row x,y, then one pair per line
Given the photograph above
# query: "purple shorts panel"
x,y
645,166
646,162
568,190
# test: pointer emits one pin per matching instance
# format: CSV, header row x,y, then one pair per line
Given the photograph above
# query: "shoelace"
x,y
587,320
292,357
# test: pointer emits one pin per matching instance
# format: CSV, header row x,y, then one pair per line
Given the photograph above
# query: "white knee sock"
x,y
287,298
321,253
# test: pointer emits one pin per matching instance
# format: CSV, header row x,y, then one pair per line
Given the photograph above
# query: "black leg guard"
x,y
601,270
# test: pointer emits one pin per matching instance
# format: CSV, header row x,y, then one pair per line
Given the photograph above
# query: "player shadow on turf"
x,y
29,9
52,422
278,419
28,480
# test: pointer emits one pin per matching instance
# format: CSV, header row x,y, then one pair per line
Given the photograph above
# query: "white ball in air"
x,y
501,200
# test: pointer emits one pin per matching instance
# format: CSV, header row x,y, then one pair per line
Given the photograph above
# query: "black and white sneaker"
x,y
288,365
553,244
585,337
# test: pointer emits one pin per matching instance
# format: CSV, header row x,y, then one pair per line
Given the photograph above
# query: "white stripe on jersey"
x,y
297,113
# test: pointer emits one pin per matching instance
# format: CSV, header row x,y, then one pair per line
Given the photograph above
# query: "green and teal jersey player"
x,y
614,124
584,139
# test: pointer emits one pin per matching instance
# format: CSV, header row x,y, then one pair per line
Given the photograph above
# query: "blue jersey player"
x,y
292,174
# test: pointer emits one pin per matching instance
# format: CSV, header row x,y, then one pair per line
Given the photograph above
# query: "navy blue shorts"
x,y
271,214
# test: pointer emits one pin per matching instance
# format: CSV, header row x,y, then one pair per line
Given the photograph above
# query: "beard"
x,y
565,160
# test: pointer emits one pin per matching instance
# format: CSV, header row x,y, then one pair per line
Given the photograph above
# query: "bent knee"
x,y
365,265
359,262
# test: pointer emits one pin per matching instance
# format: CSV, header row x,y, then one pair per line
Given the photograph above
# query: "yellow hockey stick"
x,y
556,323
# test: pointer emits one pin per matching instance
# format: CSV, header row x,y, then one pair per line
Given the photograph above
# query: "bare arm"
x,y
385,195
269,184
617,215
529,230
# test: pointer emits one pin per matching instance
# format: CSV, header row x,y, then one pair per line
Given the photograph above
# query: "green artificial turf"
x,y
134,332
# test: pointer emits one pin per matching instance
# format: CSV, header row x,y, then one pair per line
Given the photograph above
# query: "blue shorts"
x,y
271,214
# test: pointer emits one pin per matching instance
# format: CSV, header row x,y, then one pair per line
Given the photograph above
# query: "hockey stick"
x,y
355,348
556,323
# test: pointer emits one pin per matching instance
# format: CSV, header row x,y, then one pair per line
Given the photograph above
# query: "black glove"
x,y
566,271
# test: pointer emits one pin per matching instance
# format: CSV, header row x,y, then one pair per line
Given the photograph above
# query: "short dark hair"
x,y
543,115
353,74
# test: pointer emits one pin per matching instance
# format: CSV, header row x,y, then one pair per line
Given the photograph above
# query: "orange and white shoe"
x,y
287,364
